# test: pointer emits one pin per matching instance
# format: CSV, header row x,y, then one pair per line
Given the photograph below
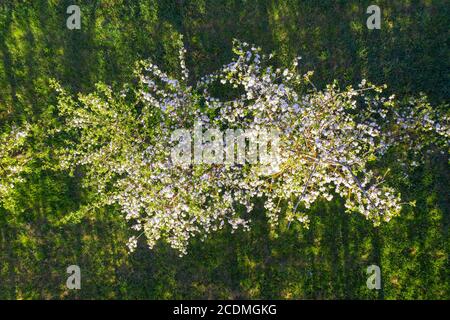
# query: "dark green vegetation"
x,y
410,54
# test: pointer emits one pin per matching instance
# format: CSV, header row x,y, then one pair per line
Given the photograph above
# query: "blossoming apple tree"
x,y
330,142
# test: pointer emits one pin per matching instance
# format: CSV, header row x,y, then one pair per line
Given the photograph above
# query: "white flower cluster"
x,y
13,159
328,139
